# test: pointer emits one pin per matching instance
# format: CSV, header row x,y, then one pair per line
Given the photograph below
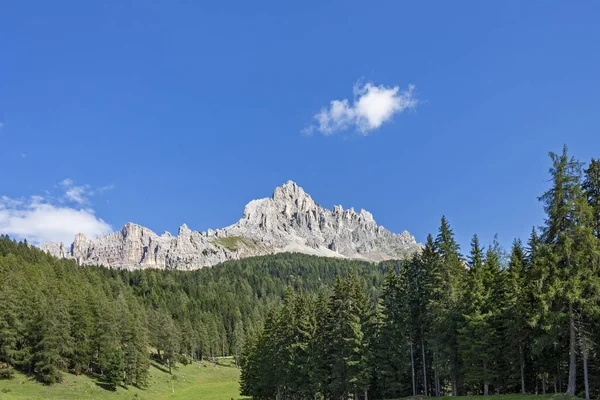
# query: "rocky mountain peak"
x,y
290,220
183,230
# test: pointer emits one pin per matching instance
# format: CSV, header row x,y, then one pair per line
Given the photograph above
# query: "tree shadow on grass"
x,y
104,385
159,367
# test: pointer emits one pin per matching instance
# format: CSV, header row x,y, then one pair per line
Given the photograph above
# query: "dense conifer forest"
x,y
447,322
57,316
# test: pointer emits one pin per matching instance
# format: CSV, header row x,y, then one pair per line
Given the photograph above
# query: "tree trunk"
x,y
543,384
585,368
278,393
412,365
435,375
366,394
454,386
522,362
571,388
425,391
486,386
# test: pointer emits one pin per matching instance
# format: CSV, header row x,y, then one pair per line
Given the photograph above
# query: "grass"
x,y
232,242
516,396
206,382
191,381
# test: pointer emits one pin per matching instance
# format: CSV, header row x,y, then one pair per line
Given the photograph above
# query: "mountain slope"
x,y
289,221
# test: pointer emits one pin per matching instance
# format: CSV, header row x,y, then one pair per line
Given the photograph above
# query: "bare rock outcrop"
x,y
290,220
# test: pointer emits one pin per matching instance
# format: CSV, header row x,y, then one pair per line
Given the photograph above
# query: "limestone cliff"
x,y
290,220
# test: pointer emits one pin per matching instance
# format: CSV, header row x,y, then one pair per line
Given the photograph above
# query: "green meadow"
x,y
195,381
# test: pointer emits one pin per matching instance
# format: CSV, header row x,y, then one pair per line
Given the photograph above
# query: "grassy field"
x,y
206,382
187,382
505,397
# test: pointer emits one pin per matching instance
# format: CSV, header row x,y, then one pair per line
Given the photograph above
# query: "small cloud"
x,y
66,182
371,107
1,125
23,155
76,194
101,190
80,194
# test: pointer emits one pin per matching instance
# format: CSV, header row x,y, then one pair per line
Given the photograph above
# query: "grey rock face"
x,y
288,221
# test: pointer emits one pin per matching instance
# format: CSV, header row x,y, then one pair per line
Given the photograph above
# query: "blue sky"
x,y
168,112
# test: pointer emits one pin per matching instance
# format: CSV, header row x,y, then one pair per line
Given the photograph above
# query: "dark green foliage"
x,y
591,189
115,369
443,325
56,316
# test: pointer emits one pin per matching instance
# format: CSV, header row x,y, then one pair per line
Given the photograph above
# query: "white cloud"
x,y
41,219
81,194
76,194
372,106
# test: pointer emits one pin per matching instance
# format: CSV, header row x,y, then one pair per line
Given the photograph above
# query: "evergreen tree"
x,y
591,188
347,361
517,315
115,369
52,342
477,334
391,354
9,325
447,303
568,233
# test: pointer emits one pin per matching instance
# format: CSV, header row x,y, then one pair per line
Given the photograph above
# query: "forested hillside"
x,y
451,323
57,316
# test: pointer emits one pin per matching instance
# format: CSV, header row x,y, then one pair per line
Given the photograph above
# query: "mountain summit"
x,y
288,221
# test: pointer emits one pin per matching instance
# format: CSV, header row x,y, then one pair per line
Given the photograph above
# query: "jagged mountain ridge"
x,y
290,220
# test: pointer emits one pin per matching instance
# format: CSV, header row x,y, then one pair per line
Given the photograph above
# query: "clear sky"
x,y
168,112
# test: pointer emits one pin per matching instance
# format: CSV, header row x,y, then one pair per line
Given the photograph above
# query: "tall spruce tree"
x,y
9,328
447,303
568,233
517,315
477,333
348,363
591,188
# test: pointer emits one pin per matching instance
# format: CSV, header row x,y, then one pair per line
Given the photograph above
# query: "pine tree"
x,y
166,338
391,353
81,331
53,343
518,303
115,369
447,302
348,360
477,333
320,348
239,336
591,189
9,326
434,292
104,338
572,251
